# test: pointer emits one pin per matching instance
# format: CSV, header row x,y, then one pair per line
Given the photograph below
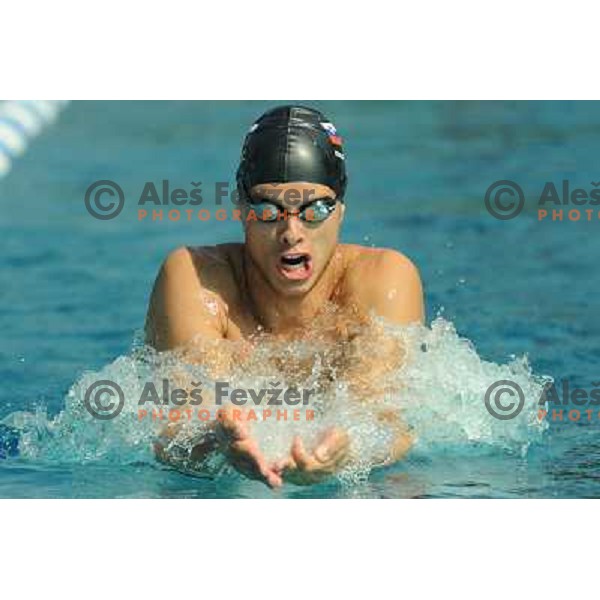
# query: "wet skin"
x,y
275,285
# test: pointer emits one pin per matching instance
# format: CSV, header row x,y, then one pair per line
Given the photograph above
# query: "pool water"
x,y
505,299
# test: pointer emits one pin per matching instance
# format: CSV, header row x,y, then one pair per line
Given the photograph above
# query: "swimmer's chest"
x,y
333,324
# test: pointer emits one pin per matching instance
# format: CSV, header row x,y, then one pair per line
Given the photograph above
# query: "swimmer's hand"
x,y
305,468
244,453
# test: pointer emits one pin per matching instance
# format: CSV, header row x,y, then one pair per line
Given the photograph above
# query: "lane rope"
x,y
20,122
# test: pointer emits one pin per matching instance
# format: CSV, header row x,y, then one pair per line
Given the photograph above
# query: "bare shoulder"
x,y
207,271
376,263
209,267
190,295
384,280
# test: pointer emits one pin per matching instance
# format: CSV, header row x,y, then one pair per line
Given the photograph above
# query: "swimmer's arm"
x,y
394,289
225,435
395,293
388,286
184,315
179,307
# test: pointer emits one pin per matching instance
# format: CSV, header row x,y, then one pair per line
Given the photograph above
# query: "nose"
x,y
292,231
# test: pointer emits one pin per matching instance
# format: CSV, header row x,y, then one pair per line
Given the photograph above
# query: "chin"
x,y
294,289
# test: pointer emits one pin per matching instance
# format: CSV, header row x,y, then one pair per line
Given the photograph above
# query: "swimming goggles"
x,y
313,212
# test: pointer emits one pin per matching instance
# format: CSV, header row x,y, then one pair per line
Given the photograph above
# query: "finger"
x,y
242,460
255,463
269,476
332,447
233,428
284,464
326,445
278,466
300,456
248,467
272,478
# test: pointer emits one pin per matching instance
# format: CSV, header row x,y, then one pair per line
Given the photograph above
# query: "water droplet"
x,y
213,309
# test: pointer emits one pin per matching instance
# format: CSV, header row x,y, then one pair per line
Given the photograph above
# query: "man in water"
x,y
291,180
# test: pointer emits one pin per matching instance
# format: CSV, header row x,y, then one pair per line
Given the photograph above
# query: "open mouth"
x,y
295,265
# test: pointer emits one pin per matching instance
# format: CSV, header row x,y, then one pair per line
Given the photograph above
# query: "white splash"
x,y
439,390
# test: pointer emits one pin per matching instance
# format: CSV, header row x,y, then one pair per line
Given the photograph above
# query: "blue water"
x,y
75,289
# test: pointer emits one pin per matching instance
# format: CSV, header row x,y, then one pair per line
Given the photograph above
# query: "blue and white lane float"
x,y
20,122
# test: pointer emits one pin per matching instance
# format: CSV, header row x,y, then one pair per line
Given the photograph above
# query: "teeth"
x,y
294,261
293,258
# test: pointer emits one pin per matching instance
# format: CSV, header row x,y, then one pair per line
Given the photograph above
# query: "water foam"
x,y
438,387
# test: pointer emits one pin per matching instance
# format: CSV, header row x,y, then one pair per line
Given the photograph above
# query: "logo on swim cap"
x,y
332,135
329,128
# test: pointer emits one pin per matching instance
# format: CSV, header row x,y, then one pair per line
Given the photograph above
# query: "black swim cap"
x,y
292,143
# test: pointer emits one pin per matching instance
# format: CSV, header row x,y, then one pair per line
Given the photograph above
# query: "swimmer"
x,y
292,182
